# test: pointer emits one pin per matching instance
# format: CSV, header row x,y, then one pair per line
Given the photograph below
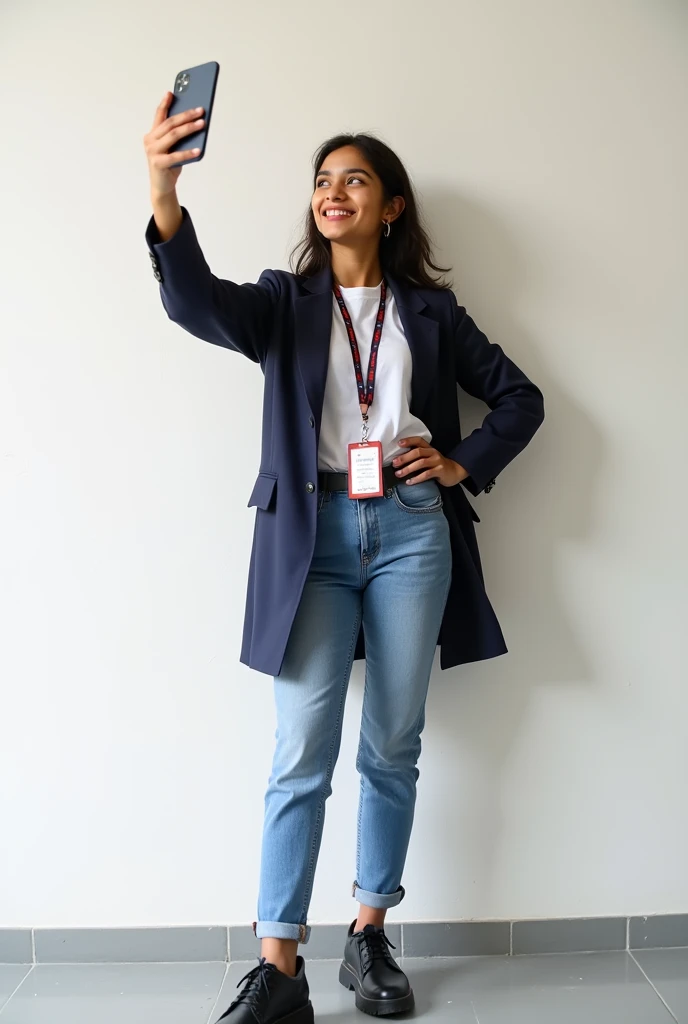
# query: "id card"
x,y
365,470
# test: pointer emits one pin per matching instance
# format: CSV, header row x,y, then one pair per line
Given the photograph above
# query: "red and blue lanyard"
x,y
366,387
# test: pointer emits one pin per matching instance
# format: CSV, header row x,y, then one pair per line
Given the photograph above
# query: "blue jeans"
x,y
386,563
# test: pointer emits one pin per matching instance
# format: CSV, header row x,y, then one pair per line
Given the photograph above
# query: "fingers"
x,y
165,143
176,123
156,148
430,474
163,161
413,442
418,452
168,130
161,110
418,465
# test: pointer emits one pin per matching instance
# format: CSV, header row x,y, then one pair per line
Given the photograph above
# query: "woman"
x,y
362,535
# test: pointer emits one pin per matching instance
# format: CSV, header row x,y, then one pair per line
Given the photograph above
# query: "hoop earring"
x,y
388,228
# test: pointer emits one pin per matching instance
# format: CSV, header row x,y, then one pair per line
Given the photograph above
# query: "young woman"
x,y
364,534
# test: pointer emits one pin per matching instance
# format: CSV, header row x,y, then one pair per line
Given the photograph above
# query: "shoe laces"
x,y
375,946
256,985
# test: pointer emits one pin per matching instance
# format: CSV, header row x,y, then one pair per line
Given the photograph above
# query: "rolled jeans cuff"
x,y
280,930
378,900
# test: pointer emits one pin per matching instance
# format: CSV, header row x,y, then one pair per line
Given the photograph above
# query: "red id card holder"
x,y
365,470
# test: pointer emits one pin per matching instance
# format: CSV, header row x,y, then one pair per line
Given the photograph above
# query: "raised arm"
x,y
236,316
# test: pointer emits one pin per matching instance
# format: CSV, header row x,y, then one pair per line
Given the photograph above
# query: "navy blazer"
x,y
283,322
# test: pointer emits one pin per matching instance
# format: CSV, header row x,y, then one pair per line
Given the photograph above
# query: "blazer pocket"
x,y
263,491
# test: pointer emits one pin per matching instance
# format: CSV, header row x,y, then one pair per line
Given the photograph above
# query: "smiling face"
x,y
348,203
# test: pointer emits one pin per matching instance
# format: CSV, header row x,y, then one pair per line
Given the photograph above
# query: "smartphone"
x,y
194,87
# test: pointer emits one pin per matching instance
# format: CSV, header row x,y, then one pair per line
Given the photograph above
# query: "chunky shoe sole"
x,y
375,1007
304,1015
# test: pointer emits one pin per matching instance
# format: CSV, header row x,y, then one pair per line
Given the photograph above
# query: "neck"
x,y
356,268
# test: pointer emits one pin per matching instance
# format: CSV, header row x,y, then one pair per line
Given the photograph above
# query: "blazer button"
x,y
311,421
157,275
310,487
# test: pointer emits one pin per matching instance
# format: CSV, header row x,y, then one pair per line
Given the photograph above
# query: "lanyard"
x,y
366,390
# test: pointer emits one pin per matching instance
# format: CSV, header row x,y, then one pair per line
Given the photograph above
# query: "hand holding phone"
x,y
194,88
179,133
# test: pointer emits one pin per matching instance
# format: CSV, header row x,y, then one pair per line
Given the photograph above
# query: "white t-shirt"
x,y
389,417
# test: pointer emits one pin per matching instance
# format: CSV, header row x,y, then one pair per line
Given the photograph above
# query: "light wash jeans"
x,y
385,562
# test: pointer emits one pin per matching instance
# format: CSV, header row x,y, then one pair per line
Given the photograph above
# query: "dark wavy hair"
x,y
407,253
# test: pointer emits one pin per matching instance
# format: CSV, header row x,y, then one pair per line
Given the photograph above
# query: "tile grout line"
x,y
228,949
33,944
628,933
654,988
219,993
511,938
5,1005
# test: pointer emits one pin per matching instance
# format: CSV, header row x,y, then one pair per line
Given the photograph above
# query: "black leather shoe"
x,y
370,970
271,997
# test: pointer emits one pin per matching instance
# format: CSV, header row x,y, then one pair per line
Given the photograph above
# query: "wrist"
x,y
167,214
164,200
459,472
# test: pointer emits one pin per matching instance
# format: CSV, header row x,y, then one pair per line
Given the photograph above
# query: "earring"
x,y
388,228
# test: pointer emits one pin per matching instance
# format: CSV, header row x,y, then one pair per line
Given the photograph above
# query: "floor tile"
x,y
597,988
10,977
604,988
115,994
667,969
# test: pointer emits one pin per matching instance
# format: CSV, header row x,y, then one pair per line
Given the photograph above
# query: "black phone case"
x,y
198,91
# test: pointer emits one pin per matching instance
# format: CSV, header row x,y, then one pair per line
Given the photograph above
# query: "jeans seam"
x,y
358,828
358,769
328,773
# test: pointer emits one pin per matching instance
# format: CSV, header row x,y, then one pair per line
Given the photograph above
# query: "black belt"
x,y
340,481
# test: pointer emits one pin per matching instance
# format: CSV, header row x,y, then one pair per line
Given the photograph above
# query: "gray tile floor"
x,y
647,987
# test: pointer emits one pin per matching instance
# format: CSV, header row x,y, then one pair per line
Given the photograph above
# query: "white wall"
x,y
548,142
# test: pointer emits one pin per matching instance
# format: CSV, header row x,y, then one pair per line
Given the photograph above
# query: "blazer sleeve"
x,y
237,316
516,404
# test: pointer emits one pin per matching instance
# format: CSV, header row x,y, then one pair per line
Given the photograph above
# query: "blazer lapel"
x,y
313,327
422,335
